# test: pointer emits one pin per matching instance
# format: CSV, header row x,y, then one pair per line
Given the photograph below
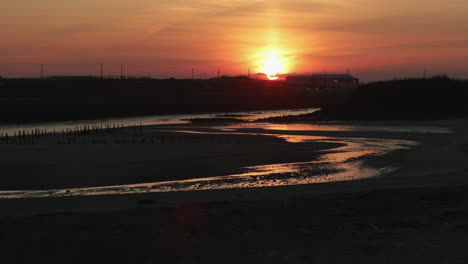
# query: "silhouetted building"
x,y
319,82
2,82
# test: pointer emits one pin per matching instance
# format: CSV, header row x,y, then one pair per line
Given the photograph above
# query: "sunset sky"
x,y
376,39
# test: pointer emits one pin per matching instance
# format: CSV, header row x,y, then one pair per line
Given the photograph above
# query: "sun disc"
x,y
272,65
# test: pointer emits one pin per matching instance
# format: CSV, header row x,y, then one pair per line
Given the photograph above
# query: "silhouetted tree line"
x,y
405,99
54,99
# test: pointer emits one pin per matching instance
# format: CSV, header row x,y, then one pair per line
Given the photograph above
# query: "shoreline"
x,y
181,145
394,217
371,161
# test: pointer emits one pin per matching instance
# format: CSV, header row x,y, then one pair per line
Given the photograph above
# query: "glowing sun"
x,y
272,64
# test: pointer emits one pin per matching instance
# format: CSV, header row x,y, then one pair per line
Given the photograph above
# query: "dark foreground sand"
x,y
151,155
415,215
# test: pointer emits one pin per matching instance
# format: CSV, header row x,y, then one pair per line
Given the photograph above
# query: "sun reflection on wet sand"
x,y
339,164
331,127
286,127
157,120
334,127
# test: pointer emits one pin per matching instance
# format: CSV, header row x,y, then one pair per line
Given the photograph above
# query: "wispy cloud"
x,y
310,33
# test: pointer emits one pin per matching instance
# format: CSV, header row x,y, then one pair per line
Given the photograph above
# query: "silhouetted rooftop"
x,y
322,75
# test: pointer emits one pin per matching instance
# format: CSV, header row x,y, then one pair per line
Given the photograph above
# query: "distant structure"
x,y
323,82
2,82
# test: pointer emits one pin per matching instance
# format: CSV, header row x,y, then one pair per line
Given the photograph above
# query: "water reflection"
x,y
328,127
286,127
337,164
153,120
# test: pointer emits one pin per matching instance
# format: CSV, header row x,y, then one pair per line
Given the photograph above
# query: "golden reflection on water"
x,y
287,127
300,138
154,120
304,127
327,127
339,164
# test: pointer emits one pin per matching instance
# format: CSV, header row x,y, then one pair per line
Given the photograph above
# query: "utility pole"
x,y
218,72
193,73
42,71
326,79
102,75
121,71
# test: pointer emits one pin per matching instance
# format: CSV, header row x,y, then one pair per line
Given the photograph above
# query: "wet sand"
x,y
151,155
412,215
187,157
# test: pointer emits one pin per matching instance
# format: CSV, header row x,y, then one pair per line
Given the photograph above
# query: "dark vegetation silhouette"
x,y
75,98
53,99
405,99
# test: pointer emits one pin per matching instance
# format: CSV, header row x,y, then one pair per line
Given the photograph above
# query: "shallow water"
x,y
331,127
152,120
339,164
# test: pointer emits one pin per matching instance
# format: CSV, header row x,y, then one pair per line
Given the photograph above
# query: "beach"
x,y
414,212
216,132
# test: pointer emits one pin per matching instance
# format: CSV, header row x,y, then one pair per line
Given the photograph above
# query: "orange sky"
x,y
376,39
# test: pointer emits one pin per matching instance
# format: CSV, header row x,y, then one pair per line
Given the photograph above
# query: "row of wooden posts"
x,y
31,136
103,134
